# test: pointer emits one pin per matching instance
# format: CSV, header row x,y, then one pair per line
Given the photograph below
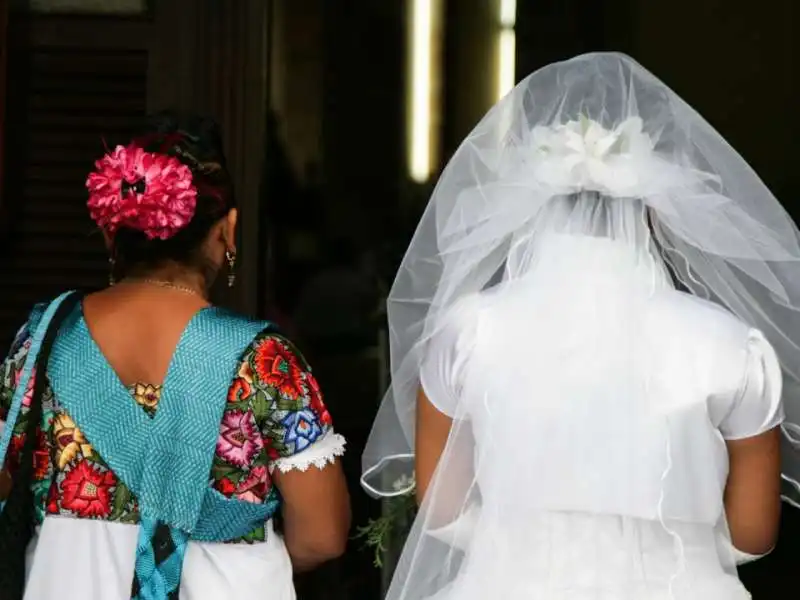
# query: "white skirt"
x,y
569,556
80,559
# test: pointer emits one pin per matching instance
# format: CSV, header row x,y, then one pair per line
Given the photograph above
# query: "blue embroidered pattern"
x,y
164,460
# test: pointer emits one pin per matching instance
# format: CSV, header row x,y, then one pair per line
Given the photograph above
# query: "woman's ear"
x,y
229,229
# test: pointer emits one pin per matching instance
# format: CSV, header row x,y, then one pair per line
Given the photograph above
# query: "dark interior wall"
x,y
469,65
363,140
79,82
3,59
552,31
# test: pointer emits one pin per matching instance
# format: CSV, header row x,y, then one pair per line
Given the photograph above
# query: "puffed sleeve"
x,y
294,421
757,407
445,357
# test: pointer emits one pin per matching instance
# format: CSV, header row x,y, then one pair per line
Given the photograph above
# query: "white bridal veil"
x,y
581,159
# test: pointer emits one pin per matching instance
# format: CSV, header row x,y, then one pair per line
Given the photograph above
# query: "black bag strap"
x,y
17,518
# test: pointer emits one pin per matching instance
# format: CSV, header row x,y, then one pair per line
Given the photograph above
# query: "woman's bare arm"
x,y
752,493
433,431
316,513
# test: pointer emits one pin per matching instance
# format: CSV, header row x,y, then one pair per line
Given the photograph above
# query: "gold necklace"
x,y
169,285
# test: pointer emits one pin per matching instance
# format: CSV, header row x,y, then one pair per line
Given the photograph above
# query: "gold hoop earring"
x,y
231,258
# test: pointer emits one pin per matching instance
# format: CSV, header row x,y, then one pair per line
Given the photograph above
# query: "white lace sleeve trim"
x,y
320,454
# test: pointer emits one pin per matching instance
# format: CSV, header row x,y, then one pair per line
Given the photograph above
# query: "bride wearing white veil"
x,y
589,335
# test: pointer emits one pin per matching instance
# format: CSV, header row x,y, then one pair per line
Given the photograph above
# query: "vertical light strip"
x,y
506,68
508,13
420,89
506,51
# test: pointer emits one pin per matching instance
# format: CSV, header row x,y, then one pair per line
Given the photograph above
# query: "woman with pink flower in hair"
x,y
150,438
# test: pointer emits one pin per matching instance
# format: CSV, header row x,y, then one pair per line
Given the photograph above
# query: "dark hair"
x,y
197,143
652,223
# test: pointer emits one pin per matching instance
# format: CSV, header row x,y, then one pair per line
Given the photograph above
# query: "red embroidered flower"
x,y
41,457
52,500
16,445
239,390
149,192
225,486
316,402
254,487
272,453
277,366
86,490
41,464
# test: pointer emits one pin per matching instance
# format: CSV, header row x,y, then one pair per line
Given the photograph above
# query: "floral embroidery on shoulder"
x,y
291,411
274,411
278,367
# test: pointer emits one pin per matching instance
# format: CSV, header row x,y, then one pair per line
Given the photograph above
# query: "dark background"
x,y
311,96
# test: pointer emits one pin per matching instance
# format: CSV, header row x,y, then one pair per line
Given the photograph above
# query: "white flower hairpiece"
x,y
584,155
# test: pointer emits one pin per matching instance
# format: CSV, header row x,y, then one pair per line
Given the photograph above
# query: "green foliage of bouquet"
x,y
393,525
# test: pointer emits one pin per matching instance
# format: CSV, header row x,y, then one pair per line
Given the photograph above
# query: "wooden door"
x,y
80,83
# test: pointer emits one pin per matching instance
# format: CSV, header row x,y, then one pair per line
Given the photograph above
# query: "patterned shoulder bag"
x,y
18,514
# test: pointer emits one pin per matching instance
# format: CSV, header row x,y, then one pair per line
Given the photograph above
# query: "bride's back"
x,y
620,416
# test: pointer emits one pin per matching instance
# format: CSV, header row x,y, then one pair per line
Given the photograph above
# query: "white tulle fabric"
x,y
590,399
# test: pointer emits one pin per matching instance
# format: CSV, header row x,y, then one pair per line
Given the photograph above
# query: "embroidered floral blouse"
x,y
275,417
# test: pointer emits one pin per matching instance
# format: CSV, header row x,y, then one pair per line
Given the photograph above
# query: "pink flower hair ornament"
x,y
150,192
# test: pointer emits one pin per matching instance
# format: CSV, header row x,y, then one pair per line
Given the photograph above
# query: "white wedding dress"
x,y
599,452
